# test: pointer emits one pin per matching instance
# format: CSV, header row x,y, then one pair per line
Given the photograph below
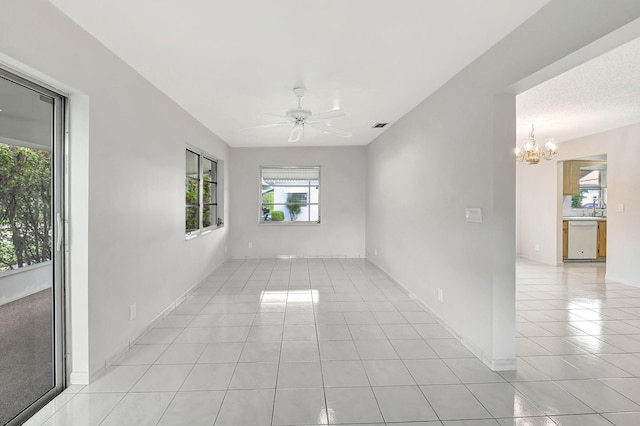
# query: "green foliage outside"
x,y
206,216
576,200
191,187
294,207
267,198
277,215
191,190
25,206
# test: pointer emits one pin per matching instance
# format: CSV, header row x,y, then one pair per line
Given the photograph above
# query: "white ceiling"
x,y
228,62
599,95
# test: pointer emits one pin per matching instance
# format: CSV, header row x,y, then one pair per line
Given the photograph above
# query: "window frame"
x,y
308,204
217,222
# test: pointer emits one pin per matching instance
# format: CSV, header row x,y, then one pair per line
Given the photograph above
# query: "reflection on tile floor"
x,y
330,341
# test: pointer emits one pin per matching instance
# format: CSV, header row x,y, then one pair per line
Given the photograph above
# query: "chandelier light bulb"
x,y
551,145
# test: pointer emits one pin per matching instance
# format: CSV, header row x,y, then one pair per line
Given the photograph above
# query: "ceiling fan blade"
x,y
265,126
329,129
297,133
329,114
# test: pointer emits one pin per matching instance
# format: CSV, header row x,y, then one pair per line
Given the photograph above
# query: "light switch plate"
x,y
473,214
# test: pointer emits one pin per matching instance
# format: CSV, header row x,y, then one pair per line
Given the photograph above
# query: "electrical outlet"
x,y
440,295
621,207
536,247
375,251
132,312
250,244
225,249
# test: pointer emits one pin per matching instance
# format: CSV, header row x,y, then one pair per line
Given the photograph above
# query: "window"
x,y
201,193
593,191
289,194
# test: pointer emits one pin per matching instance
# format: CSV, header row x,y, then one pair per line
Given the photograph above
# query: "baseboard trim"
x,y
495,364
542,262
79,378
299,256
613,279
508,364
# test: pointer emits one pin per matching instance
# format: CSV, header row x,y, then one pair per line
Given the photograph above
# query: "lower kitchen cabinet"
x,y
602,239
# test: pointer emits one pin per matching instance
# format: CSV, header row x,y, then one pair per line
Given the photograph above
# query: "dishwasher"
x,y
583,235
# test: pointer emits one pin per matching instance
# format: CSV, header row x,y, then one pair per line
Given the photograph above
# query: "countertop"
x,y
584,218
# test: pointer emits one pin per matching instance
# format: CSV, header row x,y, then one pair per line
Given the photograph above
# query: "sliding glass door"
x,y
31,247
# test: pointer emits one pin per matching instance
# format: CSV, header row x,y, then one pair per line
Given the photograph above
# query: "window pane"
x,y
298,197
266,213
314,213
591,198
209,216
192,164
191,191
191,219
295,210
209,193
267,196
314,194
286,193
591,178
25,206
209,171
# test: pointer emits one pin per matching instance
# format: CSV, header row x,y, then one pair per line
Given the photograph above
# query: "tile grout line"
x,y
275,390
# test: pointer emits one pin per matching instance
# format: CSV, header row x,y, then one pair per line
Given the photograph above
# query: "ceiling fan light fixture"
x,y
299,116
297,133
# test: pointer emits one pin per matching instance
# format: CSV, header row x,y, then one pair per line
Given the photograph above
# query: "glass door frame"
x,y
58,202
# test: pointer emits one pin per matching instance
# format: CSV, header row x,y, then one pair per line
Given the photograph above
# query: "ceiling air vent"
x,y
379,125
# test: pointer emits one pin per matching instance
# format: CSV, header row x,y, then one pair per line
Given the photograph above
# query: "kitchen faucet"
x,y
594,205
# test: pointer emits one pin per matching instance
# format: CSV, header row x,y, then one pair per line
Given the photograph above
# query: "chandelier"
x,y
531,152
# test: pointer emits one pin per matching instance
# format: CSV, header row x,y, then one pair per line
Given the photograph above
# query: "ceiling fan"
x,y
300,117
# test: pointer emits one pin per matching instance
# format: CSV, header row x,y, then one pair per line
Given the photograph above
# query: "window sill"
x,y
206,231
283,223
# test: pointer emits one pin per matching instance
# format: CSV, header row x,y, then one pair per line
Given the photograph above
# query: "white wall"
x,y
539,210
342,203
455,150
542,186
132,163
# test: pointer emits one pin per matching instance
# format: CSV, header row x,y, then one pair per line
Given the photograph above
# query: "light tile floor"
x,y
326,341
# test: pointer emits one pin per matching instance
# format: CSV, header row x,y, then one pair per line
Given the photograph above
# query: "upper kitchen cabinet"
x,y
579,174
571,177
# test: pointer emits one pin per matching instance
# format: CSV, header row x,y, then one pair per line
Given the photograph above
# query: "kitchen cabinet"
x,y
602,239
565,239
571,177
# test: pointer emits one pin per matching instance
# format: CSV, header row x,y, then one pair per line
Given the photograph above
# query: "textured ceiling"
x,y
599,95
228,62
